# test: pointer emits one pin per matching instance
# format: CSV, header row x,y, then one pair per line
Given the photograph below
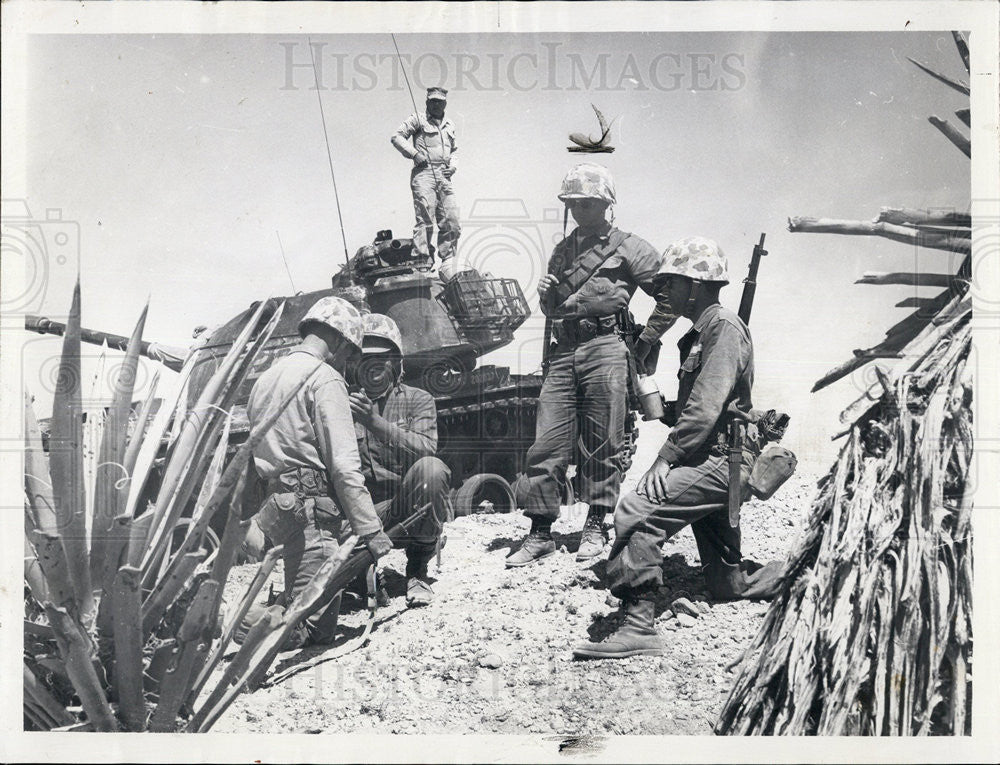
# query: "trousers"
x,y
309,538
581,410
434,200
427,481
697,495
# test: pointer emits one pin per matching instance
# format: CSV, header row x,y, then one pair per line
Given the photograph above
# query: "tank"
x,y
486,413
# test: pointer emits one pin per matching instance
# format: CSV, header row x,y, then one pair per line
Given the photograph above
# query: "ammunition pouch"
x,y
574,332
770,470
302,494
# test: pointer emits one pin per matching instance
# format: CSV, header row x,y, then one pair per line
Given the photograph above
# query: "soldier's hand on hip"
x,y
449,171
546,283
378,544
419,159
653,483
361,406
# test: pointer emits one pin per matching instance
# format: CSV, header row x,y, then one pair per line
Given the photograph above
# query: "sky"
x,y
183,158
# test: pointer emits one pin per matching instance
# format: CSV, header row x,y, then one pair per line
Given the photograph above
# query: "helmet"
x,y
696,258
381,326
588,181
338,314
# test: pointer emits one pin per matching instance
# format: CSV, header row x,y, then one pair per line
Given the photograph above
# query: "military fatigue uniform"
x,y
402,472
309,459
433,196
716,369
582,404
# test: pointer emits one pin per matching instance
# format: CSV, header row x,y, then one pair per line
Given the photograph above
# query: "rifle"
x,y
736,416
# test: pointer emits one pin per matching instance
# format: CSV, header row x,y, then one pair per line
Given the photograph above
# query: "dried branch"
x,y
950,241
961,87
910,279
909,216
952,134
963,49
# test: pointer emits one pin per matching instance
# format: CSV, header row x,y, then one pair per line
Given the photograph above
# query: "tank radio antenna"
x,y
329,156
285,261
413,101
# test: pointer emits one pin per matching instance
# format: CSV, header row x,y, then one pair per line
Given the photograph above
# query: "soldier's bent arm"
x,y
338,446
661,318
401,138
724,354
419,437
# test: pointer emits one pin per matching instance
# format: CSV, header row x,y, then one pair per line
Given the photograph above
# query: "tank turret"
x,y
486,414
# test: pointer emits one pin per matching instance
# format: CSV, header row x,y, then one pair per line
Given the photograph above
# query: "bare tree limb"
x,y
911,216
952,134
963,48
909,279
923,238
961,87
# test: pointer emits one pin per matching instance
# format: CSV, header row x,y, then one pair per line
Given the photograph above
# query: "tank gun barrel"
x,y
170,356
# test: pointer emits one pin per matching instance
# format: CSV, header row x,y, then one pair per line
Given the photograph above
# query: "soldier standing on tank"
x,y
397,439
689,481
429,141
592,274
309,457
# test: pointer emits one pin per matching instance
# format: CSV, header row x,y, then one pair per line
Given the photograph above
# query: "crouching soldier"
x,y
689,481
309,458
397,437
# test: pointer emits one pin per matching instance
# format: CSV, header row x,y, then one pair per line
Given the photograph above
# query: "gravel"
x,y
493,652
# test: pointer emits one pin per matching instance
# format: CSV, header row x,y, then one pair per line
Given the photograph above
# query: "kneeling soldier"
x,y
397,438
689,481
309,457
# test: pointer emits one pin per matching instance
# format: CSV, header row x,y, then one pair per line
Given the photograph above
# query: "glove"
x,y
378,544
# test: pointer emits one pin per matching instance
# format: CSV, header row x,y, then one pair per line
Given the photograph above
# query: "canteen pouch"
x,y
770,470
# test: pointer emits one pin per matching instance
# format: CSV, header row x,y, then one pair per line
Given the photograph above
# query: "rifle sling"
x,y
571,283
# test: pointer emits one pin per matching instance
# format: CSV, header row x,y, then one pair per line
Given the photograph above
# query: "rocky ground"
x,y
492,654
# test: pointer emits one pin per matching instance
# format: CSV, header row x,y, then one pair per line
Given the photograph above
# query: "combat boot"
x,y
636,636
592,538
537,545
418,586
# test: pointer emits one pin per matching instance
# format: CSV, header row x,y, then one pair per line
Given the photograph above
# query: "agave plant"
x,y
120,614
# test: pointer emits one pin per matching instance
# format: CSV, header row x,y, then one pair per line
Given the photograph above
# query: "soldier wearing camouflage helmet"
x,y
396,427
591,276
309,457
688,483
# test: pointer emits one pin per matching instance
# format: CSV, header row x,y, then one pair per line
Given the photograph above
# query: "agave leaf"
x,y
34,577
117,549
161,598
66,463
41,525
150,440
76,651
128,648
44,703
197,425
109,490
234,472
197,529
135,441
263,572
193,640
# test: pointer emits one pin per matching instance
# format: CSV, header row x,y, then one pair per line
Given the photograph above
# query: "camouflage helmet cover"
x,y
696,258
380,325
339,315
588,181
